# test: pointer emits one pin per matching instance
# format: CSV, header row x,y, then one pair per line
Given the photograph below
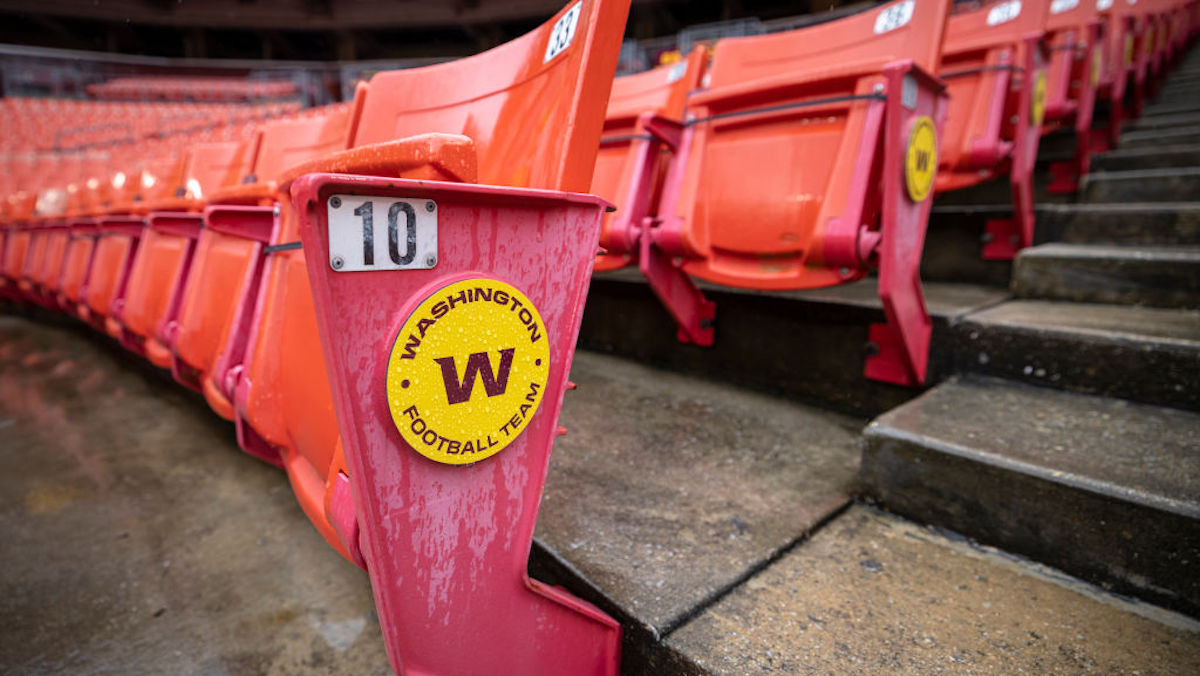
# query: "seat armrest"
x,y
433,157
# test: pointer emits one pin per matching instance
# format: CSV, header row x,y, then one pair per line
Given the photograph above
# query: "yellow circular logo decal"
x,y
468,371
920,160
1038,105
1097,65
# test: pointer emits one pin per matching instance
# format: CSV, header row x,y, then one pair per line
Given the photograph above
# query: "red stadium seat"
x,y
994,65
1077,56
630,166
481,111
741,207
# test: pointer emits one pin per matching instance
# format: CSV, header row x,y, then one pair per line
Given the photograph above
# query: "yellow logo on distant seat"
x,y
468,370
920,160
1037,110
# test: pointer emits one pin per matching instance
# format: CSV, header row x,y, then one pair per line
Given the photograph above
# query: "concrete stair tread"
x,y
1143,174
1158,276
872,593
1170,184
1181,253
1126,351
1147,157
1102,488
1140,223
1173,108
1128,451
1116,321
1161,137
1147,122
669,489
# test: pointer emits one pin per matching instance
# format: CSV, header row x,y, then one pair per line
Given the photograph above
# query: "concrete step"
x,y
1172,108
871,593
1142,185
807,345
668,491
1102,488
1147,157
1153,223
1138,353
1106,273
1186,135
1168,121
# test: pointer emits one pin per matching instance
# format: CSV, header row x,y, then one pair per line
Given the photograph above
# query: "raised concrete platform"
x,y
807,345
1102,488
1162,276
138,539
873,594
1143,354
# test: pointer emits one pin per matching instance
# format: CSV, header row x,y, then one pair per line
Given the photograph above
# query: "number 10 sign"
x,y
381,233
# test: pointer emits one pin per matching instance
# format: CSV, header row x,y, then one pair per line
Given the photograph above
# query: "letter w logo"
x,y
922,160
477,364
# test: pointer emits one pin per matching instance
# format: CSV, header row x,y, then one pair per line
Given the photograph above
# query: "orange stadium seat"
x,y
994,65
207,339
164,253
630,166
119,232
740,207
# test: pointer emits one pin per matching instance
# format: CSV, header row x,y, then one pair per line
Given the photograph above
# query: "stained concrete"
x,y
874,594
668,489
1105,489
138,539
1156,276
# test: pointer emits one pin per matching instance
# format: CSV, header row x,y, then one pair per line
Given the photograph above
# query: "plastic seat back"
x,y
629,165
985,49
207,339
164,255
777,144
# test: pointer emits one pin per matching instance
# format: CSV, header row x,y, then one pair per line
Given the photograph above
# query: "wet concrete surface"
x,y
875,594
668,489
138,539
